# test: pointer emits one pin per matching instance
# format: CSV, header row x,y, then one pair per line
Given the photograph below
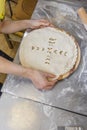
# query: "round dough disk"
x,y
50,50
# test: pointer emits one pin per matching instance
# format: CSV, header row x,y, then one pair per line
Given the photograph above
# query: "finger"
x,y
49,75
51,83
44,20
45,88
55,79
49,87
48,23
51,25
51,80
44,25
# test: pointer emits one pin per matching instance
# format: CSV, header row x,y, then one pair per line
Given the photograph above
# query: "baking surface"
x,y
71,93
21,114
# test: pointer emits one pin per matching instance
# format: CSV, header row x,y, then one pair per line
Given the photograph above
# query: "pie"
x,y
50,50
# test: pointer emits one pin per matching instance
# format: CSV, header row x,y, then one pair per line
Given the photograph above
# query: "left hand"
x,y
34,24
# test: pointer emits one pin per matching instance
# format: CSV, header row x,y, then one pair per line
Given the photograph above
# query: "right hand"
x,y
40,80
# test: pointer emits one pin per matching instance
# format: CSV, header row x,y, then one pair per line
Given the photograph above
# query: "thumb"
x,y
50,75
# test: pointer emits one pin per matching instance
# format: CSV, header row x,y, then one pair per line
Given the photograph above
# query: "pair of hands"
x,y
40,79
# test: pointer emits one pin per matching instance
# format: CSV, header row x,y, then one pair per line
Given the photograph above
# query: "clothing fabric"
x,y
2,9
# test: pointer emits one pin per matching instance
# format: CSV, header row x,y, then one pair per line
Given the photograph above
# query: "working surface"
x,y
71,93
21,114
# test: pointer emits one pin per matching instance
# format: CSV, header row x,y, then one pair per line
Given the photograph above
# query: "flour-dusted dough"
x,y
49,49
23,116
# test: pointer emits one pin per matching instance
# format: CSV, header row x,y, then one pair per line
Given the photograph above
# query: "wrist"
x,y
27,73
27,23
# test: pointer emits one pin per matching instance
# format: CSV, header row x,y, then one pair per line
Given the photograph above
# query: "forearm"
x,y
8,67
39,79
14,26
9,26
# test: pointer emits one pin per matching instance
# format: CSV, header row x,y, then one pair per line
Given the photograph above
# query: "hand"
x,y
40,80
34,24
